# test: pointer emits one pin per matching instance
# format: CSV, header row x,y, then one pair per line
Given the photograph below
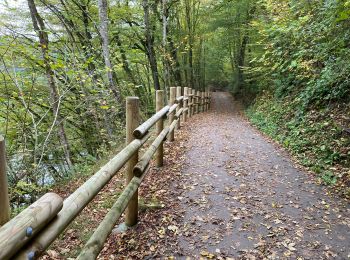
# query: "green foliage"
x,y
93,122
300,77
306,51
228,33
296,50
315,138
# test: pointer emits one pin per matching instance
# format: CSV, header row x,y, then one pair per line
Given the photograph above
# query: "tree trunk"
x,y
126,65
40,29
150,46
176,70
166,64
102,9
188,11
240,62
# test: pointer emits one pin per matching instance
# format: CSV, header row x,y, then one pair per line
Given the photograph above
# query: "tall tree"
x,y
149,36
40,29
103,16
166,69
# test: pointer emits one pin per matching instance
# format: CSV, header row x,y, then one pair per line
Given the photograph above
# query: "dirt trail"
x,y
243,197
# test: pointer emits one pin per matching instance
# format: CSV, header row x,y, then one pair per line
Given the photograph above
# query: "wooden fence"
x,y
31,232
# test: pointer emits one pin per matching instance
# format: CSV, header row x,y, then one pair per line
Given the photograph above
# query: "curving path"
x,y
243,197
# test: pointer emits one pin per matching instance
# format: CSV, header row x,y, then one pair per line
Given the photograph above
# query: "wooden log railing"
x,y
31,232
15,233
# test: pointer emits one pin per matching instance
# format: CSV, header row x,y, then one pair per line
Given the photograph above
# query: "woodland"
x,y
66,67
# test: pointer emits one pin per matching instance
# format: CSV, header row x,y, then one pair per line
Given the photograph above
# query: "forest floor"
x,y
225,192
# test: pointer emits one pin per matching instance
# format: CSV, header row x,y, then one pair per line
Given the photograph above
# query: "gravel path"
x,y
243,197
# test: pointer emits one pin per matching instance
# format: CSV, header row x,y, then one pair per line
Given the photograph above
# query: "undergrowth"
x,y
317,138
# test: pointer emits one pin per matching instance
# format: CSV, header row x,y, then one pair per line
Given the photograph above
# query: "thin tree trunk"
x,y
190,41
166,69
126,65
240,62
149,45
102,9
204,66
40,29
177,67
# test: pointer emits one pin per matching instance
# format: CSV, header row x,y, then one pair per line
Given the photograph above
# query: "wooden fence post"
x,y
189,103
196,102
209,103
160,127
185,103
208,99
192,101
200,101
132,122
4,196
172,98
178,94
207,95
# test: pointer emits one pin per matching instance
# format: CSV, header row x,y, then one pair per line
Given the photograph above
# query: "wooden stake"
x,y
185,103
160,127
202,101
4,196
171,115
190,102
178,94
206,100
132,122
197,101
209,96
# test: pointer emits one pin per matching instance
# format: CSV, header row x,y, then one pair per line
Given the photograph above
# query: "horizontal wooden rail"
x,y
143,129
60,214
147,156
19,230
98,238
77,201
173,125
179,99
172,109
179,113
